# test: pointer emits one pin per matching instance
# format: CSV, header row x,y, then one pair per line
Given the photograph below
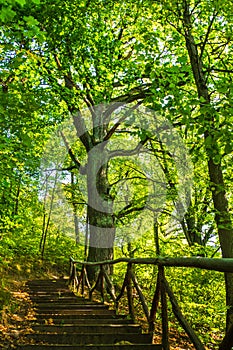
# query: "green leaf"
x,y
228,148
217,159
21,2
30,20
202,99
7,14
208,140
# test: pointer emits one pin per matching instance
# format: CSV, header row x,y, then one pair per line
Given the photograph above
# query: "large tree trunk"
x,y
100,209
222,215
100,203
225,230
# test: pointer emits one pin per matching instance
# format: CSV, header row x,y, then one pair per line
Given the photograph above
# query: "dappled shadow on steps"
x,y
65,321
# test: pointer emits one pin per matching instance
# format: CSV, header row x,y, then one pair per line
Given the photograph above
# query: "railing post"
x,y
155,304
161,292
124,285
83,280
183,322
165,337
130,292
141,296
75,277
86,278
102,283
70,271
73,274
97,283
79,280
110,288
227,342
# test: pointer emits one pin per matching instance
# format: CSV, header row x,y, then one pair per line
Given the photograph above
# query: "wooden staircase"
x,y
65,321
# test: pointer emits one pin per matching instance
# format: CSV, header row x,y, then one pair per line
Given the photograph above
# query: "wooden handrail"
x,y
219,264
162,289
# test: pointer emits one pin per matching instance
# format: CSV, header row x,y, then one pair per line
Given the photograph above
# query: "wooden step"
x,y
45,283
47,280
91,347
56,299
48,286
40,302
89,328
83,311
49,289
52,294
80,321
61,316
65,321
90,338
74,306
41,299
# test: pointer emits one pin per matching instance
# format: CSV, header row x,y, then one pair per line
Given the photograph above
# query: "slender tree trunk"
x,y
16,209
189,226
222,215
44,213
86,238
76,228
46,228
76,222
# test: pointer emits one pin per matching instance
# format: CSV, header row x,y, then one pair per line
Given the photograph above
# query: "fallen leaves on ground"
x,y
16,317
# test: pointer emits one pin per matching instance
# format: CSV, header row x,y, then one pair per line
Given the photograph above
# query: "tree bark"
x,y
222,215
227,342
100,209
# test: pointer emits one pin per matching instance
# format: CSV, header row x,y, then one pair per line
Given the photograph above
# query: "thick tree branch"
x,y
128,210
131,97
82,132
70,84
127,179
127,153
113,129
69,168
212,69
78,165
118,123
208,33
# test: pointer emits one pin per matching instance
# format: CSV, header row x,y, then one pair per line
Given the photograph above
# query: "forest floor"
x,y
16,317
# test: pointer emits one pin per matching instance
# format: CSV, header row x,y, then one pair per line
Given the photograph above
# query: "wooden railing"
x,y
162,291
